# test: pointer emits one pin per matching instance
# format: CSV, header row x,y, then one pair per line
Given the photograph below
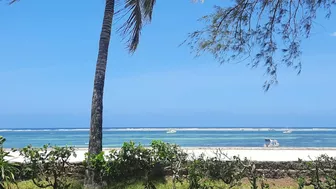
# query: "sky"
x,y
48,55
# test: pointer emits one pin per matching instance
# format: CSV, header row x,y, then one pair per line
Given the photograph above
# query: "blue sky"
x,y
49,51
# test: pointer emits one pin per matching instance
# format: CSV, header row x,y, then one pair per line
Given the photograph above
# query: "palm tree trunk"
x,y
95,144
96,125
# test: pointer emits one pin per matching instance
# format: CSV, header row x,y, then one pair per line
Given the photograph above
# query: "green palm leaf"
x,y
138,12
148,6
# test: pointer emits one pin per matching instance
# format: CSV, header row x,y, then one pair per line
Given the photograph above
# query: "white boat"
x,y
287,131
170,131
271,143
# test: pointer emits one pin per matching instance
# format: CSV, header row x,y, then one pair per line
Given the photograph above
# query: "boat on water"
x,y
170,131
287,131
271,143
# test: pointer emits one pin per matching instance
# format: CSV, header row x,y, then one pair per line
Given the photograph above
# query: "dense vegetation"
x,y
161,165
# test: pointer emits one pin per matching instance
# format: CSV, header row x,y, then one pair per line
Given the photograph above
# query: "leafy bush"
x,y
301,183
29,184
229,171
48,166
96,164
197,173
170,155
321,172
133,162
7,169
203,172
255,177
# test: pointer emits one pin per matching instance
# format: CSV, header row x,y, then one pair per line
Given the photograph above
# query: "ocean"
x,y
185,137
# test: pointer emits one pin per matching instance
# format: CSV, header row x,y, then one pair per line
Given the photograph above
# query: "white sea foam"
x,y
221,129
72,130
41,130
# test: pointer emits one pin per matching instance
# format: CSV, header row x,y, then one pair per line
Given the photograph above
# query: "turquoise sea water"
x,y
186,137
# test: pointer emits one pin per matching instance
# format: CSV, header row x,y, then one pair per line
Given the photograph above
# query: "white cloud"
x,y
333,34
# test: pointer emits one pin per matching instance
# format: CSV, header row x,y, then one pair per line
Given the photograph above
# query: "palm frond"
x,y
138,12
132,26
148,6
13,1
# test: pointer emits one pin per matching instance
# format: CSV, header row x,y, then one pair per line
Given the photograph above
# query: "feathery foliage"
x,y
139,12
7,169
252,30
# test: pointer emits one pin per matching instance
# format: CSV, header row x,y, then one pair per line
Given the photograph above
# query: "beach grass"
x,y
30,185
286,183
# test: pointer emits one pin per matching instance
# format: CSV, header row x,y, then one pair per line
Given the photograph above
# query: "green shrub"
x,y
301,183
131,162
203,172
7,169
321,172
135,162
170,155
48,166
29,184
136,166
197,173
229,170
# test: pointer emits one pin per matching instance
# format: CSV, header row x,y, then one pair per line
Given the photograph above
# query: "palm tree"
x,y
138,12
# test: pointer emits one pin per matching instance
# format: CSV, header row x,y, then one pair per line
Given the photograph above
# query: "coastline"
x,y
280,154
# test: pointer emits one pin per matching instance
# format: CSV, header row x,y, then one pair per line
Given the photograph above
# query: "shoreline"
x,y
260,154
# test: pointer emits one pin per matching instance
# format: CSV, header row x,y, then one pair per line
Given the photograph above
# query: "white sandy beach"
x,y
255,154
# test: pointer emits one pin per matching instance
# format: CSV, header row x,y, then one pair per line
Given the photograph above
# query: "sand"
x,y
255,154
